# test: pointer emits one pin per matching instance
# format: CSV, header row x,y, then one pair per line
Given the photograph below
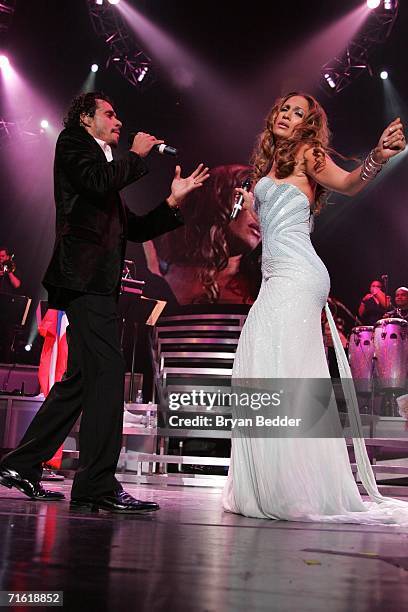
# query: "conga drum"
x,y
361,354
391,351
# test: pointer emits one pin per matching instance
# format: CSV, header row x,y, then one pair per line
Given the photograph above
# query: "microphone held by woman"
x,y
240,200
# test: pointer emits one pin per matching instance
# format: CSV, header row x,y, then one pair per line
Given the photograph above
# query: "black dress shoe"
x,y
34,490
119,502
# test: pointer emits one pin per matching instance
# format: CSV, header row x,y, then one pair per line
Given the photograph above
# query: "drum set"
x,y
378,357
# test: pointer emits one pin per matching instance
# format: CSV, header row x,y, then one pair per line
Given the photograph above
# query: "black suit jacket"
x,y
92,223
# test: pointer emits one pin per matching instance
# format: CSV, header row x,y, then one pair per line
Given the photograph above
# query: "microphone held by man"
x,y
140,141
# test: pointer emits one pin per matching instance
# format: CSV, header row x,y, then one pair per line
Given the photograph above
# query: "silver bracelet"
x,y
370,167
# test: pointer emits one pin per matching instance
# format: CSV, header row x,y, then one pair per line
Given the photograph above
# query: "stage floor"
x,y
193,556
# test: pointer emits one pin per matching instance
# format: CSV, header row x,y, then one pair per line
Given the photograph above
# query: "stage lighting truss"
x,y
7,8
125,55
21,129
341,71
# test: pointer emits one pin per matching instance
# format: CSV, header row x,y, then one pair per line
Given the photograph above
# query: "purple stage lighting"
x,y
142,74
373,4
330,81
6,69
113,1
4,62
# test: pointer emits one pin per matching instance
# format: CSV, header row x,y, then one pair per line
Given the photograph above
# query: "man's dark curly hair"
x,y
84,103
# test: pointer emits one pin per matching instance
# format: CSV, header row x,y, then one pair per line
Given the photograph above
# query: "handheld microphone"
x,y
240,200
163,148
384,279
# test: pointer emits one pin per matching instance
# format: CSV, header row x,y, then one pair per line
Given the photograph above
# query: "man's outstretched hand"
x,y
181,187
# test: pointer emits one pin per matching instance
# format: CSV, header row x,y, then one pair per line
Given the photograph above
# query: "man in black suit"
x,y
83,278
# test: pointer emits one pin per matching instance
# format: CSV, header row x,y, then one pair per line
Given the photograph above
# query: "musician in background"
x,y
374,305
9,284
9,281
401,305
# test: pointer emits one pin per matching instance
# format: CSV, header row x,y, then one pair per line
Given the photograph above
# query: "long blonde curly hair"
x,y
313,131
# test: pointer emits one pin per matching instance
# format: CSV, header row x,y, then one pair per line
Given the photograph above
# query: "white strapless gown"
x,y
297,479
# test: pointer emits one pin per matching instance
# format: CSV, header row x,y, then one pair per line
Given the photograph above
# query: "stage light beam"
x,y
6,69
94,68
113,1
384,75
373,4
44,124
4,62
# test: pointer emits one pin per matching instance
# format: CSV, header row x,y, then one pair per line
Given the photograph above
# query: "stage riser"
x,y
22,379
16,413
19,378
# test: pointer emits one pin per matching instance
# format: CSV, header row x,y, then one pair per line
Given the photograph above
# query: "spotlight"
x,y
329,80
98,1
142,74
94,67
4,62
44,124
384,75
28,347
372,4
388,5
113,1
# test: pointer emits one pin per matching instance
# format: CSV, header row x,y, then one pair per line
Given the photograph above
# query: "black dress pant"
x,y
93,386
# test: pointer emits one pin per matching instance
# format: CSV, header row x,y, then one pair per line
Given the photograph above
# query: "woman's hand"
x,y
249,198
391,143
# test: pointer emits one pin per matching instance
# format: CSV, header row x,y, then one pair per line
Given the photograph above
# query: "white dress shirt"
x,y
105,148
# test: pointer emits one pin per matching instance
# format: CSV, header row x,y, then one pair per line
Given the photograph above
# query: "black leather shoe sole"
x,y
85,505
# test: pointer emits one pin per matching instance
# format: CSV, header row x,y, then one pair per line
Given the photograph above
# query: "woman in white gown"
x,y
300,479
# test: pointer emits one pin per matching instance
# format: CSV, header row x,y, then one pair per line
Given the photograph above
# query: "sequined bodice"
x,y
284,216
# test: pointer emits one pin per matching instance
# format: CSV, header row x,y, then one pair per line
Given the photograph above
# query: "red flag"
x,y
53,361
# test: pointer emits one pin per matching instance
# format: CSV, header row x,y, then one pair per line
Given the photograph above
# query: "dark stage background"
x,y
247,55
